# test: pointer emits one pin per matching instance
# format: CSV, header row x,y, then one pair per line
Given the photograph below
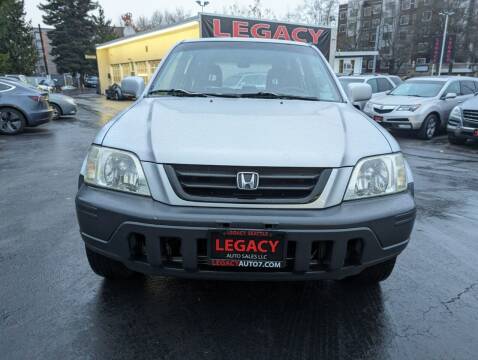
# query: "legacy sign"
x,y
222,26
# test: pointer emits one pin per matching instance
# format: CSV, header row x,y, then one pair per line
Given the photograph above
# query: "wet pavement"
x,y
53,306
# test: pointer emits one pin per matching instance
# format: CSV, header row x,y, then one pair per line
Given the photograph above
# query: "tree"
x,y
161,18
315,12
17,51
104,30
254,9
73,35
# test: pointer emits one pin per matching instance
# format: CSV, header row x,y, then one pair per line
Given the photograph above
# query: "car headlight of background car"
x,y
115,169
377,176
408,107
456,113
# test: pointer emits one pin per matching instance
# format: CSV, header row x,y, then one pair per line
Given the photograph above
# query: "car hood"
x,y
247,132
471,104
399,100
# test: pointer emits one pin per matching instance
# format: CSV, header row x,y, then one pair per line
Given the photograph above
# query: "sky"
x,y
115,8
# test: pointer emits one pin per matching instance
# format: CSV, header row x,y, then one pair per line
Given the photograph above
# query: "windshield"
x,y
245,69
419,88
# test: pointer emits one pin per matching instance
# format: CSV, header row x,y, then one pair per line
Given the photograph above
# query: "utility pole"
x,y
43,50
446,14
377,34
202,4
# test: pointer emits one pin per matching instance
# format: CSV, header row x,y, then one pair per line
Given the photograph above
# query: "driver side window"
x,y
454,87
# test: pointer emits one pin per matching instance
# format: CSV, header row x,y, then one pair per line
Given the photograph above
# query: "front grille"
x,y
470,115
280,185
382,111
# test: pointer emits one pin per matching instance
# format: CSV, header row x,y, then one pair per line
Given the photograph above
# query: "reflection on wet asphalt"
x,y
53,306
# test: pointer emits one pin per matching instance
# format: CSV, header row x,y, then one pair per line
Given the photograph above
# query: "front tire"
x,y
12,121
106,267
429,127
452,139
56,111
374,274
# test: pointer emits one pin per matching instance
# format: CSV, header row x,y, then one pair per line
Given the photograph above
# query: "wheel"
x,y
452,139
116,96
374,274
106,267
429,127
12,121
56,111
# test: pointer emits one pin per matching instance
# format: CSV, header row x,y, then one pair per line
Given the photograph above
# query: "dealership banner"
x,y
224,26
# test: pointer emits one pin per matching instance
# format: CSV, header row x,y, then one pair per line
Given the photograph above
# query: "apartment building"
x,y
409,34
45,63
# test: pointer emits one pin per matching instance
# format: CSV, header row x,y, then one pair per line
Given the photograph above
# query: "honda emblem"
x,y
247,180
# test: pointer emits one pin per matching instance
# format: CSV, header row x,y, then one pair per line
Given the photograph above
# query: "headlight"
x,y
115,169
408,107
456,113
377,176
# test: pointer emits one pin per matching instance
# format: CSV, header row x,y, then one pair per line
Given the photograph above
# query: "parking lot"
x,y
53,306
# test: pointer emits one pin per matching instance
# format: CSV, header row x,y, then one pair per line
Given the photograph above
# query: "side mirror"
x,y
359,92
450,96
132,86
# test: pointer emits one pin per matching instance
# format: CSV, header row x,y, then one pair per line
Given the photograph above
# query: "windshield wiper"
x,y
176,92
271,95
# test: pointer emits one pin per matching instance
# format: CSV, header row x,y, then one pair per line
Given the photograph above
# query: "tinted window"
x,y
418,88
454,87
384,85
374,85
220,67
467,87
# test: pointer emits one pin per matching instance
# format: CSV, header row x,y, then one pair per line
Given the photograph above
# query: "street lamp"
x,y
202,4
446,14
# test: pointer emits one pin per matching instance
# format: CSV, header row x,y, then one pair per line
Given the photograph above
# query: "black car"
x,y
91,81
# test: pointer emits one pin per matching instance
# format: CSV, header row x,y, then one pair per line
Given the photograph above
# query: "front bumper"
x,y
462,132
399,120
110,222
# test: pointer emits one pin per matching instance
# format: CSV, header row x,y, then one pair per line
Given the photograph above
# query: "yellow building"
x,y
140,54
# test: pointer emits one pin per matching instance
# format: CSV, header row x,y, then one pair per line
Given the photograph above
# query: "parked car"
x,y
91,81
201,180
61,105
21,106
48,85
463,122
380,85
421,104
114,92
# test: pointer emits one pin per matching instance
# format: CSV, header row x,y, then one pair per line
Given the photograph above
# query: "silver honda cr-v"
x,y
281,179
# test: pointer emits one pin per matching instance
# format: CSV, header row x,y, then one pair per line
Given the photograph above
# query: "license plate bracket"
x,y
247,249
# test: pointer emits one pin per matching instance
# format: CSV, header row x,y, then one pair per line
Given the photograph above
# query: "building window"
x,y
403,35
342,28
353,12
370,65
426,2
366,24
377,9
422,47
367,11
427,15
343,15
153,64
375,22
406,4
116,71
421,61
404,20
126,69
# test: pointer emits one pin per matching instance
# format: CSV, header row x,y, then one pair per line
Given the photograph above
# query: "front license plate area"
x,y
247,249
378,118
